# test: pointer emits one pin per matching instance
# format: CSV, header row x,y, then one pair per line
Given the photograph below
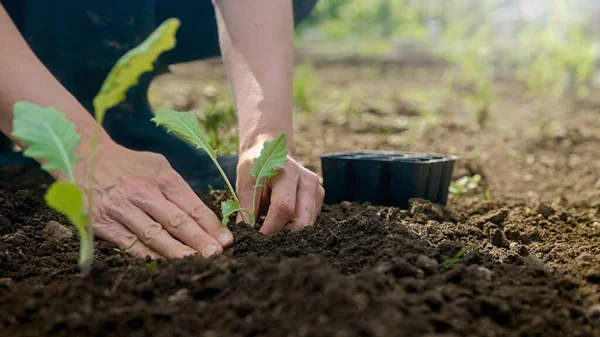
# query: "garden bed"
x,y
360,271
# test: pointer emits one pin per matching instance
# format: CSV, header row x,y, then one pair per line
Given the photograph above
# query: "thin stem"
x,y
253,213
228,183
88,237
86,251
231,190
243,210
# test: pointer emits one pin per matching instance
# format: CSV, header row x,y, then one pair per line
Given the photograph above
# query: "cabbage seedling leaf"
x,y
228,207
67,199
48,135
132,65
186,126
272,157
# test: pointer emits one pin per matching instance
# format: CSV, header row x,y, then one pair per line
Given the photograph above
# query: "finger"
x,y
178,223
121,236
318,202
177,191
246,196
244,191
283,202
150,232
305,204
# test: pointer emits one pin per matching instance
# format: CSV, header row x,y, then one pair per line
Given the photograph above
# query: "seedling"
x,y
50,137
458,256
305,83
559,56
465,185
467,45
219,116
272,157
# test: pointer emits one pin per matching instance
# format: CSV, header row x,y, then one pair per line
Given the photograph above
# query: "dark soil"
x,y
360,271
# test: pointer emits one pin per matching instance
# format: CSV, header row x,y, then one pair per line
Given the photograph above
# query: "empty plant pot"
x,y
386,178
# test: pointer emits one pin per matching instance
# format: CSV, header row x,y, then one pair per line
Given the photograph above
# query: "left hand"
x,y
293,197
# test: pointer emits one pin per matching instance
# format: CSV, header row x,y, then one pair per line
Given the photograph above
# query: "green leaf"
x,y
48,135
228,207
272,157
67,198
132,65
186,126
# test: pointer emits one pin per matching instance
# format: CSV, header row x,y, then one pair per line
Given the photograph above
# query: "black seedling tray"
x,y
386,178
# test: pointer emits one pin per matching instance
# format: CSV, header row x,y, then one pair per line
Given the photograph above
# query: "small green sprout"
x,y
272,157
464,185
459,255
50,137
151,266
305,84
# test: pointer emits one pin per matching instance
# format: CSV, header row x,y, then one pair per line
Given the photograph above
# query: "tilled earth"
x,y
527,261
360,271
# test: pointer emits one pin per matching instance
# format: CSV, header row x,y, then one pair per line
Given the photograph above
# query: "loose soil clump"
x,y
360,271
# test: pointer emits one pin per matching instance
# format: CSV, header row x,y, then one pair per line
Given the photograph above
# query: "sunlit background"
x,y
510,86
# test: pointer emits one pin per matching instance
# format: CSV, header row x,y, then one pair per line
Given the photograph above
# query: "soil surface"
x,y
360,271
529,255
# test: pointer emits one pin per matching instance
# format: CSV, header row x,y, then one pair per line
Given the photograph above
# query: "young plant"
x,y
50,137
467,46
464,185
272,157
458,256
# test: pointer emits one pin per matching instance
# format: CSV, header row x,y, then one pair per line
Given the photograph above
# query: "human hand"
x,y
293,197
143,205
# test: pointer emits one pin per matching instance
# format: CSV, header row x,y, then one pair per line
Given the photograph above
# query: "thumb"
x,y
246,196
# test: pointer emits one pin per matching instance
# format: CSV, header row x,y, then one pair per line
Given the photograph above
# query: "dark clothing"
x,y
79,42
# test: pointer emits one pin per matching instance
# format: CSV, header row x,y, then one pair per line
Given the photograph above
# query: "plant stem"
x,y
86,254
253,212
231,190
86,250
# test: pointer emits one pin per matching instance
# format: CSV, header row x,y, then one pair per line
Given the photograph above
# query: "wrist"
x,y
252,142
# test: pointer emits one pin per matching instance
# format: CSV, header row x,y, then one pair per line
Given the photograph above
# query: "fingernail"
x,y
210,250
225,239
189,253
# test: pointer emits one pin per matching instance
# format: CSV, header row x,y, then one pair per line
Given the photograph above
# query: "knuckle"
x,y
100,215
168,178
139,190
174,251
116,197
284,207
178,219
320,193
126,240
199,213
312,179
158,160
151,231
199,241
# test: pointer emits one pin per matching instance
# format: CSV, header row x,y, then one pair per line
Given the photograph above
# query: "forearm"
x,y
257,46
24,78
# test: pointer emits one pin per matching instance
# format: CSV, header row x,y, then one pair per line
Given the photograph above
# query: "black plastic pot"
x,y
386,178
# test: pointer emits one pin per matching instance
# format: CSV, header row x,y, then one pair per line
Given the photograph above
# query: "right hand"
x,y
145,207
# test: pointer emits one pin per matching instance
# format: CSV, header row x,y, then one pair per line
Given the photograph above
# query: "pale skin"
x,y
141,203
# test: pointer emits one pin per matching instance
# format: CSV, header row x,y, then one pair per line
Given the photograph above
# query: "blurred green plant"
x,y
466,46
376,21
458,256
557,57
306,83
219,121
464,185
